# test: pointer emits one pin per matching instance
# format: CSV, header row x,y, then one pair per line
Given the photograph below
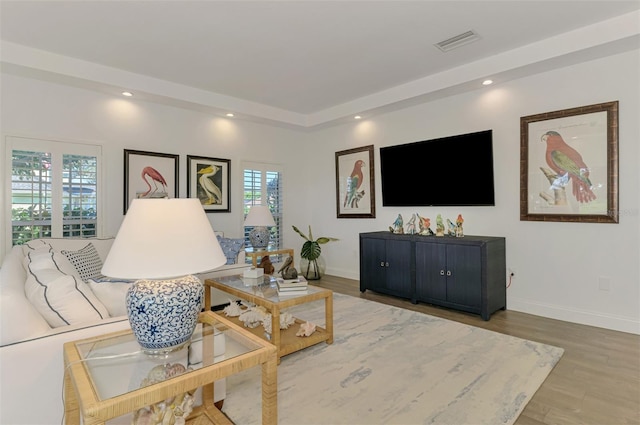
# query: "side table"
x,y
254,254
101,374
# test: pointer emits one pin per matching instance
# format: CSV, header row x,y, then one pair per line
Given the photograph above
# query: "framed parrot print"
x,y
569,165
355,188
208,179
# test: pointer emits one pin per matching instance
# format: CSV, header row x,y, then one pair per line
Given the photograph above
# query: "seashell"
x,y
306,329
233,309
253,316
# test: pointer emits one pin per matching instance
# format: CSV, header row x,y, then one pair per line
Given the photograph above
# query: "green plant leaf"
x,y
300,233
310,250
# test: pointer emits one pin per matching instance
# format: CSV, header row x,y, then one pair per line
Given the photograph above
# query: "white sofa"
x,y
31,361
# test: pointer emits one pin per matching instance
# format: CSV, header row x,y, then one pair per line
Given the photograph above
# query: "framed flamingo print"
x,y
569,165
149,175
208,179
355,188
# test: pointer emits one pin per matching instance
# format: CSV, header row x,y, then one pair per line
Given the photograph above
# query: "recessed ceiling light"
x,y
357,117
126,93
230,115
487,82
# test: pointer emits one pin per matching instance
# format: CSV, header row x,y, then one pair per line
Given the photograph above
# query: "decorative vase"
x,y
314,269
164,313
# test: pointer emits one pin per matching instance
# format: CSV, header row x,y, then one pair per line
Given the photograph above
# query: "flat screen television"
x,y
449,171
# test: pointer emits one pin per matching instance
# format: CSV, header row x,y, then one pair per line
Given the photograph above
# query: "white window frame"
x,y
57,149
265,168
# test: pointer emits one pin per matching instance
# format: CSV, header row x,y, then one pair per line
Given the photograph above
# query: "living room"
x,y
557,266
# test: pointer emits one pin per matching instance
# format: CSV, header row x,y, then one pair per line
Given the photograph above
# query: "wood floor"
x,y
597,380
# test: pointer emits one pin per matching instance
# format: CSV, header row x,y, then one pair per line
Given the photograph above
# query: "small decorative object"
x,y
286,320
253,316
164,312
439,226
260,219
451,231
253,272
459,221
306,329
266,265
233,309
424,223
411,225
312,264
398,225
173,410
287,271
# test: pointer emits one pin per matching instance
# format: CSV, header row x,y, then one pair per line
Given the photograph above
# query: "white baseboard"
x,y
584,317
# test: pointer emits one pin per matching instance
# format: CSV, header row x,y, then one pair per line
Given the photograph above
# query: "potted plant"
x,y
311,265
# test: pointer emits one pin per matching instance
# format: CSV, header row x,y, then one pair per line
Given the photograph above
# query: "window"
x,y
54,189
263,186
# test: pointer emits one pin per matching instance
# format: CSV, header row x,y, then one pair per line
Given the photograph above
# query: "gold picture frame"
x,y
569,165
355,183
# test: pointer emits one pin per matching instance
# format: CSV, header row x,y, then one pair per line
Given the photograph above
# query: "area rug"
x,y
389,365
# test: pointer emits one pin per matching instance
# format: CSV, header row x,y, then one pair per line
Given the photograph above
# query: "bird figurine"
x,y
354,181
568,164
398,225
423,224
411,225
155,177
287,271
267,265
439,226
451,231
459,221
211,190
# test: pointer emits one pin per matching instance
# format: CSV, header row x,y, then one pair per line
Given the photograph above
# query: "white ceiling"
x,y
303,63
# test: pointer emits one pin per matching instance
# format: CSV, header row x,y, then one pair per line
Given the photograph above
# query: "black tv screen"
x,y
450,171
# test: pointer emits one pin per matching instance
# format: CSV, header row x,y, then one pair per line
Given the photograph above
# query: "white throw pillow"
x,y
86,261
112,293
60,298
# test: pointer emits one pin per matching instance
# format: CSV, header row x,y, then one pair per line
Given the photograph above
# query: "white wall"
x,y
557,265
43,110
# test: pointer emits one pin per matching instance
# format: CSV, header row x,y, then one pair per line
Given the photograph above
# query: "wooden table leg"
x,y
275,329
71,407
270,391
328,315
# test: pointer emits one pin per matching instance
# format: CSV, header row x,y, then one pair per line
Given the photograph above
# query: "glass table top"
x,y
117,364
263,287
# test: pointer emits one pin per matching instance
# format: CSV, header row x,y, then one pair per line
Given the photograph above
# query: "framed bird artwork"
x,y
569,165
209,180
149,175
355,188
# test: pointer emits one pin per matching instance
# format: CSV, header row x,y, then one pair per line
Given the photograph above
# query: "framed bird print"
x,y
208,179
569,165
149,175
355,188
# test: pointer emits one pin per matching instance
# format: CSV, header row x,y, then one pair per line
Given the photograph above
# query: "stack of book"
x,y
289,287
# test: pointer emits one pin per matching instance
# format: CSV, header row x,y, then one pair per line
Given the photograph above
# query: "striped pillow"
x,y
60,298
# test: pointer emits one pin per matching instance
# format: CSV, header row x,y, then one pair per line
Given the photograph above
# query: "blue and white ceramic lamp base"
x,y
163,313
259,237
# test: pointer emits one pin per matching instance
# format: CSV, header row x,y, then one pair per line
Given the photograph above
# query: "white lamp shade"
x,y
259,215
162,238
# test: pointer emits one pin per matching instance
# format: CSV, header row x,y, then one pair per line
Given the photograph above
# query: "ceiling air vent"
x,y
457,41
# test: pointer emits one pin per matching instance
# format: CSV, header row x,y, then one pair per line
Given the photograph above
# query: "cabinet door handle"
x,y
381,263
441,272
386,264
448,272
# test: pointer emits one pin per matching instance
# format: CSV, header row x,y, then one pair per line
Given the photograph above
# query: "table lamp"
x,y
259,217
161,242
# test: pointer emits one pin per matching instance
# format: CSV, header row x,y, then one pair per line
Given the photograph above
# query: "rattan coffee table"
x,y
263,292
102,374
